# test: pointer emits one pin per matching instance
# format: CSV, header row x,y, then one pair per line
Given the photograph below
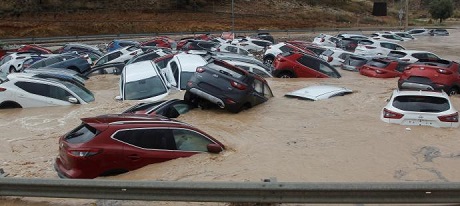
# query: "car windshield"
x,y
378,63
226,71
144,88
81,91
328,53
356,61
396,54
81,134
421,103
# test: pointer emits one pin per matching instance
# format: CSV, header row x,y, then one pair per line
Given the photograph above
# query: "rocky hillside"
x,y
38,18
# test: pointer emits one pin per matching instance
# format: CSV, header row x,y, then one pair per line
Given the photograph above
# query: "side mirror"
x,y
73,100
118,98
214,148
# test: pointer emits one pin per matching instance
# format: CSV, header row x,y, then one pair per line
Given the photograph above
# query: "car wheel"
x,y
286,75
12,69
452,91
191,99
268,61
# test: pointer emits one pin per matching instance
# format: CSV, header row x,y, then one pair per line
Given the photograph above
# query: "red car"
x,y
383,68
117,143
295,64
34,48
432,75
160,41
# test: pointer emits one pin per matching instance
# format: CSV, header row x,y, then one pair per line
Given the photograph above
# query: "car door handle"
x,y
134,157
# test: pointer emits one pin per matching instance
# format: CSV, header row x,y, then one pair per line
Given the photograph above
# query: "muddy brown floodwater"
x,y
340,139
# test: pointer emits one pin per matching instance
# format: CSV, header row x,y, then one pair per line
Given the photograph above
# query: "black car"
x,y
226,86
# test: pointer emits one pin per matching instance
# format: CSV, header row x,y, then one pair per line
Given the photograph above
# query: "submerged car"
x,y
432,75
22,90
168,108
226,86
294,64
114,144
383,68
423,108
319,92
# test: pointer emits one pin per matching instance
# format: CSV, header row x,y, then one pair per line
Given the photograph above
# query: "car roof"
x,y
139,70
409,92
126,118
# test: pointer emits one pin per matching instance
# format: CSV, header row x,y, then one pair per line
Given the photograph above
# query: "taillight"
x,y
444,71
392,115
329,58
408,68
379,71
449,118
133,53
238,85
370,47
2,89
200,69
85,152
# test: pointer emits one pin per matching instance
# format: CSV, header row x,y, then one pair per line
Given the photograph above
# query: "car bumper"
x,y
209,97
59,171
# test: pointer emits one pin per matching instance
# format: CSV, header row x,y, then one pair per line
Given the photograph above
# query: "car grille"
x,y
422,80
209,88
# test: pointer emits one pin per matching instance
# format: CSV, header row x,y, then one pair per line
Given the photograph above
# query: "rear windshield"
x,y
328,53
81,134
227,71
421,103
396,54
286,48
378,63
356,61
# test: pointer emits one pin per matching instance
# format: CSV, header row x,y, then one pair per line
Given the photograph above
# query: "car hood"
x,y
319,92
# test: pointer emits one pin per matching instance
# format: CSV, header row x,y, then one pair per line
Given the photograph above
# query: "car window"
x,y
387,45
420,55
243,52
378,63
285,49
328,70
397,54
397,47
113,56
144,88
267,91
226,71
431,56
147,138
344,55
81,134
328,53
6,59
45,90
187,140
258,86
102,60
421,103
261,43
50,61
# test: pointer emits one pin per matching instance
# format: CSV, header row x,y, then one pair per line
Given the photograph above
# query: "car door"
x,y
42,94
144,146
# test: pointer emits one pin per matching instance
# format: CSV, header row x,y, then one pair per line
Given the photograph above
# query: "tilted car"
x,y
383,67
294,64
232,49
282,47
376,47
148,55
113,144
71,61
432,75
169,108
120,55
326,40
226,86
387,37
258,69
421,108
23,90
355,62
119,43
413,56
13,62
142,81
180,68
34,48
252,44
335,57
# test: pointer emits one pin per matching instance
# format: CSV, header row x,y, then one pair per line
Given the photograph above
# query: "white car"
x,y
142,81
419,32
404,35
13,62
387,37
180,68
412,56
376,47
424,108
223,47
275,49
251,44
335,56
120,55
326,40
254,68
39,90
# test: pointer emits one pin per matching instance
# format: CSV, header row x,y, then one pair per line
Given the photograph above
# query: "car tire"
x,y
452,91
268,61
12,70
191,99
286,75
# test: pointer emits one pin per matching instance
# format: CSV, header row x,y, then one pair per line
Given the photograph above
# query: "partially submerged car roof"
x,y
319,92
140,70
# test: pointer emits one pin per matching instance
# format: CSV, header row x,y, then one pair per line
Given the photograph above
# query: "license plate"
x,y
420,122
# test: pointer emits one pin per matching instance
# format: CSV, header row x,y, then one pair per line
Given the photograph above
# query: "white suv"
x,y
13,62
22,90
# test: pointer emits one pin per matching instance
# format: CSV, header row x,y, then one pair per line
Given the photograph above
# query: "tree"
x,y
441,9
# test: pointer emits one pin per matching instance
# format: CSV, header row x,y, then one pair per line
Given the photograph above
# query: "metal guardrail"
x,y
241,192
38,40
